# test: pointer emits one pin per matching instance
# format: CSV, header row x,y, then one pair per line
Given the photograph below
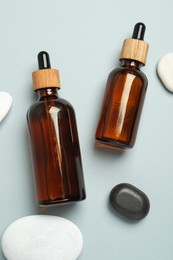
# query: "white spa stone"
x,y
165,71
5,104
42,237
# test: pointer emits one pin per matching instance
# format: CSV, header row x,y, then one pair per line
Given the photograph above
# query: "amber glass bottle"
x,y
54,141
124,96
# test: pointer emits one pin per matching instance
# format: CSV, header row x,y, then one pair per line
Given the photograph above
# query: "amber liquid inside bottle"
x,y
122,106
55,147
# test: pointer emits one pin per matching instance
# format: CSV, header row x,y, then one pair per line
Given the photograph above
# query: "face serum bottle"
x,y
124,96
58,173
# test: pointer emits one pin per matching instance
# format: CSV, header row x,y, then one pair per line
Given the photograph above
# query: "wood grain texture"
x,y
46,78
134,49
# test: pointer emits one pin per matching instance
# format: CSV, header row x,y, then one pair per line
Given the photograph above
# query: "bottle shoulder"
x,y
46,104
123,72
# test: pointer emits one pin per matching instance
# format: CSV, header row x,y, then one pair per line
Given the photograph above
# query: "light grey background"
x,y
84,39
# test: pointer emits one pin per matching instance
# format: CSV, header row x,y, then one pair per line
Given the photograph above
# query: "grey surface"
x,y
84,39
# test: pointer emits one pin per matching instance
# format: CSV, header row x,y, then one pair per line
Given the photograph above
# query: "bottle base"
x,y
58,202
116,145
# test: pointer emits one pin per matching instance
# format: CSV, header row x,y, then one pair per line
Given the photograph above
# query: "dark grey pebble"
x,y
129,201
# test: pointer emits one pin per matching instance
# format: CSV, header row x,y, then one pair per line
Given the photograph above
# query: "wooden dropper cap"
x,y
135,48
45,77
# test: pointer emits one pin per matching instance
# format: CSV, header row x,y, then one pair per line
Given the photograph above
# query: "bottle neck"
x,y
47,93
132,64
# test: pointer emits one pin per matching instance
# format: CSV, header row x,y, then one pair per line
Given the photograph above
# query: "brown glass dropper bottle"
x,y
124,96
54,141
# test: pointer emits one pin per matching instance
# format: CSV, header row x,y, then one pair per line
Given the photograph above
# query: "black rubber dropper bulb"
x,y
43,60
139,31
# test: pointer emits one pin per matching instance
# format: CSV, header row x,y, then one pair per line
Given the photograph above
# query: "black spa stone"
x,y
129,201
